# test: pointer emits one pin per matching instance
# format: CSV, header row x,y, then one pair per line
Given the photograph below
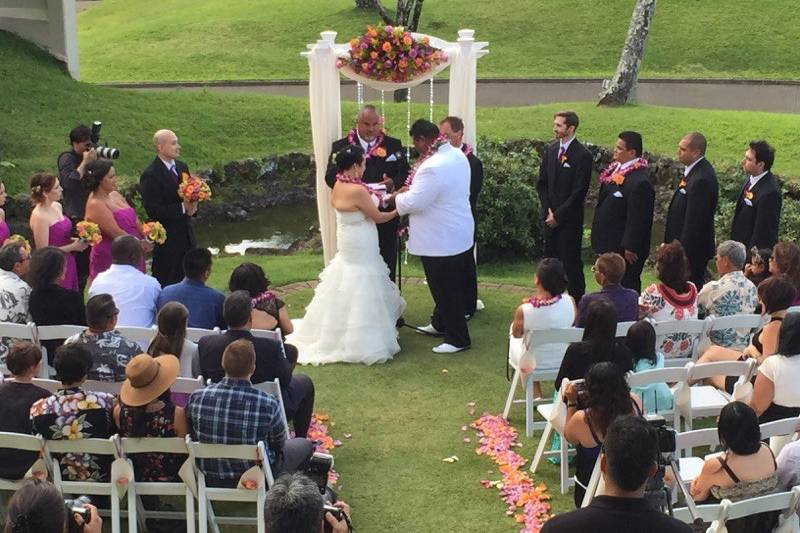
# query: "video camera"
x,y
102,151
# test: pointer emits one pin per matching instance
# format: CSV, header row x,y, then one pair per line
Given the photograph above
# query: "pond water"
x,y
272,227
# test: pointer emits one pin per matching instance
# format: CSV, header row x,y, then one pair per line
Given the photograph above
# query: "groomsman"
x,y
386,164
564,175
159,188
623,218
453,129
690,218
758,208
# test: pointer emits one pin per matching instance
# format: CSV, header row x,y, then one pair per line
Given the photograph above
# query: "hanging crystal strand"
x,y
430,105
408,120
383,108
360,94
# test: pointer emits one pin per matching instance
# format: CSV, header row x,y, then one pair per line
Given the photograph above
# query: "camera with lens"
x,y
74,507
665,434
105,152
655,491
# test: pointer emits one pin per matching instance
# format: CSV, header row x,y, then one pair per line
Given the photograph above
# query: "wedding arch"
x,y
325,103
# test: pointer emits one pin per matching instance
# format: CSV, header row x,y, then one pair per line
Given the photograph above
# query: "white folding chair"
x,y
595,484
718,514
187,385
139,335
658,375
691,465
20,332
136,511
104,447
564,450
206,495
701,401
195,334
274,388
21,442
53,333
780,432
268,334
533,340
111,387
623,327
695,327
50,385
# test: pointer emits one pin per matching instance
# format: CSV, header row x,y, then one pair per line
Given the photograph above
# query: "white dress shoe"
x,y
448,348
430,330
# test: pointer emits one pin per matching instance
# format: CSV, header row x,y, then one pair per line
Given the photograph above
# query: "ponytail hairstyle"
x,y
172,319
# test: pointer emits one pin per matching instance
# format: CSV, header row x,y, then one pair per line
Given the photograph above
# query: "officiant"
x,y
387,166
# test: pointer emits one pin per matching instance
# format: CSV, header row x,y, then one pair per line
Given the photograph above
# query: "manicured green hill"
x,y
155,40
42,104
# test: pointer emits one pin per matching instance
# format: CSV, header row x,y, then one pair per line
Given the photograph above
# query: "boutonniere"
x,y
682,184
749,195
380,152
377,149
618,178
563,158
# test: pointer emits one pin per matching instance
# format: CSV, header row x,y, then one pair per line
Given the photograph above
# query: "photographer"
x,y
38,507
71,168
628,461
295,504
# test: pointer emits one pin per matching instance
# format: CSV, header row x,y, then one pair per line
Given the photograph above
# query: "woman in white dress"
x,y
352,317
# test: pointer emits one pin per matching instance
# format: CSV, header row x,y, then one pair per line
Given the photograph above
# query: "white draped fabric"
x,y
325,104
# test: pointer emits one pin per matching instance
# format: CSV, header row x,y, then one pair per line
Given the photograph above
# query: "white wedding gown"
x,y
352,317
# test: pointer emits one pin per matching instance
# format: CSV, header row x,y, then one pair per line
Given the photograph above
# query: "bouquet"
x,y
154,232
193,189
19,238
89,232
390,53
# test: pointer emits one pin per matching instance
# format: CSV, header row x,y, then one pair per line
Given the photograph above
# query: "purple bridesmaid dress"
x,y
5,232
100,257
60,235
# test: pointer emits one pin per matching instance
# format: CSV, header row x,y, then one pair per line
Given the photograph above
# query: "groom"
x,y
441,230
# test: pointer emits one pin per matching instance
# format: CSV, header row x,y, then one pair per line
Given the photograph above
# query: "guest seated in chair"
x,y
775,295
747,469
16,398
641,341
145,410
786,262
38,506
73,413
609,268
776,394
15,293
171,339
232,411
607,396
599,344
757,270
549,307
204,303
673,298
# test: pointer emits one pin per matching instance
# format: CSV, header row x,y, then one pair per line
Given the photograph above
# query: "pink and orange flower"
x,y
193,189
89,232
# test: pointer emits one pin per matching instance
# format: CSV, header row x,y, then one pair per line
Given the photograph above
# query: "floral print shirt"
x,y
662,304
14,297
110,353
75,414
731,294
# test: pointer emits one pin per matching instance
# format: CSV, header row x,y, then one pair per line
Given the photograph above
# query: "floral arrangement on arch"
x,y
390,53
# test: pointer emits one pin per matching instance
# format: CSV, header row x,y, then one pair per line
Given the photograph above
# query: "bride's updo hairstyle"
x,y
347,157
95,172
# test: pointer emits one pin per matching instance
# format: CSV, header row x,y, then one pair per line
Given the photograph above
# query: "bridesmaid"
x,y
108,209
51,227
5,232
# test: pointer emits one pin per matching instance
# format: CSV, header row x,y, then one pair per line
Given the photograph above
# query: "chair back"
x,y
111,387
195,334
697,438
18,441
187,385
49,385
268,334
657,375
51,333
623,327
141,336
721,368
274,388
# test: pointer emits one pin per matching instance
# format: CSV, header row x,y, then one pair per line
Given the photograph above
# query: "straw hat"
x,y
147,378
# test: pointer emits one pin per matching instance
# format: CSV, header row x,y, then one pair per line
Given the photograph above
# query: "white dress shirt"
x,y
690,167
755,179
134,293
565,145
440,220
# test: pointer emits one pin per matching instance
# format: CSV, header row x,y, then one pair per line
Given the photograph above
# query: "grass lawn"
x,y
405,416
42,105
248,39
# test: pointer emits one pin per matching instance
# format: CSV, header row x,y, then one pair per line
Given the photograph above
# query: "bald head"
x,y
691,148
166,144
368,123
126,250
697,141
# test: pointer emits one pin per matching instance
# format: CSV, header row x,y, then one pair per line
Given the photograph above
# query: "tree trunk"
x,y
623,84
365,4
414,22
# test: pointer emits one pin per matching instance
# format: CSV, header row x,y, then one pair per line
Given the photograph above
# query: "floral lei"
x,y
377,148
264,297
540,302
440,141
467,149
611,173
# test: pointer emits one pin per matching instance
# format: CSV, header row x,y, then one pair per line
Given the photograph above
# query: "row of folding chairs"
x,y
690,402
698,329
140,335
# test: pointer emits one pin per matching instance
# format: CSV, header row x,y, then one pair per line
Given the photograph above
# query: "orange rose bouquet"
x,y
89,232
193,189
154,232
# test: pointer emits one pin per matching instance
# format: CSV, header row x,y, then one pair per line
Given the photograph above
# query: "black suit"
x,y
623,220
690,218
297,391
471,275
377,166
757,224
159,190
562,187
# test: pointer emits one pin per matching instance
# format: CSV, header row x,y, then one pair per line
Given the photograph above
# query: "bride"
x,y
352,317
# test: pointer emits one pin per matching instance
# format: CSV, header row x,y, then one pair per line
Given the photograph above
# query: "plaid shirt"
x,y
233,412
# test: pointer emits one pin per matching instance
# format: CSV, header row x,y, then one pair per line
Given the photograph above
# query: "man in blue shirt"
x,y
204,303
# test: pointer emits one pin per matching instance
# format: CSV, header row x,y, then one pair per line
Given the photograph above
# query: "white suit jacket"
x,y
440,219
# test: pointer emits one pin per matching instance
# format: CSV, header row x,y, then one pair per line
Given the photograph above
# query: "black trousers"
x,y
168,264
387,241
446,279
564,243
471,284
633,272
298,399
